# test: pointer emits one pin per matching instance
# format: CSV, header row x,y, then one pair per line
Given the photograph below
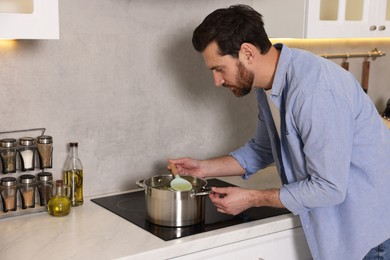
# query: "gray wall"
x,y
125,82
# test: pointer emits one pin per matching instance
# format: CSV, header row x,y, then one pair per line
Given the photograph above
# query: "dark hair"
x,y
231,27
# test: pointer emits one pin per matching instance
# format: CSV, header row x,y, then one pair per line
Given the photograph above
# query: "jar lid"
x,y
45,139
8,181
26,141
27,178
8,142
45,176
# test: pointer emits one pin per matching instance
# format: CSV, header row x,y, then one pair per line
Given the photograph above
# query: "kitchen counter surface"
x,y
92,232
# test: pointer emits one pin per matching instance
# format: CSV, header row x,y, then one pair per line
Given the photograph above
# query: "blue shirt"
x,y
333,156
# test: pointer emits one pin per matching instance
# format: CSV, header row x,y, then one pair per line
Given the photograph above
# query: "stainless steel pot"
x,y
167,207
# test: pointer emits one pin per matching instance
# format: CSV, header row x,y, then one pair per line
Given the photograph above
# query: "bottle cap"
x,y
74,144
8,181
8,142
45,139
45,176
25,141
27,178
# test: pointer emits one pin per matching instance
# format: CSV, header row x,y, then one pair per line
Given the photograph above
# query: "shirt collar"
x,y
281,70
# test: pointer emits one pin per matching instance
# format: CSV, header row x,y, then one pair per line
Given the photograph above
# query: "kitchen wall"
x,y
125,82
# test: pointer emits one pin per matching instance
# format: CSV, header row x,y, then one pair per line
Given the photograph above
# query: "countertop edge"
x,y
220,237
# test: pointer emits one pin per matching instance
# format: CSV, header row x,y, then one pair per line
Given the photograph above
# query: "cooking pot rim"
x,y
196,182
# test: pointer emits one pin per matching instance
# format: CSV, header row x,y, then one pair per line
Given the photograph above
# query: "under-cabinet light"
x,y
7,44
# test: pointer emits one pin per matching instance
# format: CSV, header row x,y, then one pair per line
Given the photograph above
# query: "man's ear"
x,y
247,52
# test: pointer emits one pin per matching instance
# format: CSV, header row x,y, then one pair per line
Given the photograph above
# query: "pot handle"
x,y
203,192
200,192
141,183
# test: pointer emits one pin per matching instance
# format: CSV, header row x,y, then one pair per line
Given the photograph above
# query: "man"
x,y
331,148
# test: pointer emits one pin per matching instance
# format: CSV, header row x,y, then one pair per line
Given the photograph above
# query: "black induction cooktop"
x,y
131,206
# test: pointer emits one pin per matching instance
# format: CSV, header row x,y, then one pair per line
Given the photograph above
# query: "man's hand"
x,y
235,200
188,166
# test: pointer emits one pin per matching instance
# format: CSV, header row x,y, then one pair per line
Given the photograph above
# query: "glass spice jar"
x,y
27,190
8,155
45,187
8,190
45,151
26,151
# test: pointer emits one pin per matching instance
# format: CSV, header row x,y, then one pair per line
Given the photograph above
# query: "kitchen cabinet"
x,y
348,18
325,18
29,19
288,245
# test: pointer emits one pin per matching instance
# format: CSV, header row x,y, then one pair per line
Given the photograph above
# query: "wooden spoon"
x,y
365,75
345,65
178,183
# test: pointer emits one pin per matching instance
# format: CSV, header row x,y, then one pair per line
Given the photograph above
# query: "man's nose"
x,y
218,80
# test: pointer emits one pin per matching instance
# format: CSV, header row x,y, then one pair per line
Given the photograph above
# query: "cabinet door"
x,y
287,245
348,18
29,19
325,18
381,19
339,18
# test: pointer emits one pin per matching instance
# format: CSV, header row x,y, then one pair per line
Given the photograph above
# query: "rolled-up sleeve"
x,y
256,154
252,157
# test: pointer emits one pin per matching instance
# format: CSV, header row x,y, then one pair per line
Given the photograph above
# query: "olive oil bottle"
x,y
59,204
73,176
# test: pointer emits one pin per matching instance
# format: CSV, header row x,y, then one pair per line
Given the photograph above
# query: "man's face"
x,y
228,71
244,81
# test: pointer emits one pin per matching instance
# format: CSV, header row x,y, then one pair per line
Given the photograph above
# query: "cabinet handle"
x,y
372,27
382,28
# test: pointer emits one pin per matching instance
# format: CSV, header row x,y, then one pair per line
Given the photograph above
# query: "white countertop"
x,y
92,232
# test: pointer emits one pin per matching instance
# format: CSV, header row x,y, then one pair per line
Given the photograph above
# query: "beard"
x,y
244,81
